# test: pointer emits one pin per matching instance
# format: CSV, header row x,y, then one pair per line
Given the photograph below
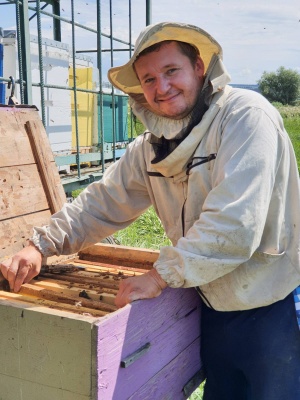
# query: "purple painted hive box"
x,y
62,337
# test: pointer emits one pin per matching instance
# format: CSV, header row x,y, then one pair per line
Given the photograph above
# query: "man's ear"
x,y
199,66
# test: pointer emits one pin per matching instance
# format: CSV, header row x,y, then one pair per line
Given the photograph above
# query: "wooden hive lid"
x,y
30,187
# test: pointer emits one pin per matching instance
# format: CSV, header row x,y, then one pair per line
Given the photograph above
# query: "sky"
x,y
256,35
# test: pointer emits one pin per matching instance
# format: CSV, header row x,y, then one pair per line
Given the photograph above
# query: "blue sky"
x,y
256,35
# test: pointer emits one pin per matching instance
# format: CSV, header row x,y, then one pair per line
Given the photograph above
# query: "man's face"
x,y
170,82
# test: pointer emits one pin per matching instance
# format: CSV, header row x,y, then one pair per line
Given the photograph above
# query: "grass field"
x,y
291,119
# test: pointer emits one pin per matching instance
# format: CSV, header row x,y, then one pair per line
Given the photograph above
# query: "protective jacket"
x,y
227,196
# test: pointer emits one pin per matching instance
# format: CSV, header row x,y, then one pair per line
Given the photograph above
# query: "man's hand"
x,y
22,267
145,286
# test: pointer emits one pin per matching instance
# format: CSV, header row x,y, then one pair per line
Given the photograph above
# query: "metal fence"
x,y
57,63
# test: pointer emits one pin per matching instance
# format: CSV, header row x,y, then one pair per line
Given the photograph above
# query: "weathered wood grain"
x,y
120,255
44,157
15,148
62,297
15,232
23,195
29,180
21,191
41,302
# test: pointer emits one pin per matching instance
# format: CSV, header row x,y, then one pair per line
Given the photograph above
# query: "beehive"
x,y
61,336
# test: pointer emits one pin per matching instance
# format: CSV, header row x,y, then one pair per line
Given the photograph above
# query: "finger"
x,y
12,272
139,295
120,300
31,274
21,276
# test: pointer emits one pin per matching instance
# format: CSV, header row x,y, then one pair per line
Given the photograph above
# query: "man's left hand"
x,y
145,286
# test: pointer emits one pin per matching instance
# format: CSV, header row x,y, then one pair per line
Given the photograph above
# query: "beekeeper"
x,y
219,169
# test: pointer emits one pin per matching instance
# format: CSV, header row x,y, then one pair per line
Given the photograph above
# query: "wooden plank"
x,y
43,156
120,255
15,147
52,284
174,376
43,349
15,232
13,388
20,299
61,297
21,191
169,323
111,268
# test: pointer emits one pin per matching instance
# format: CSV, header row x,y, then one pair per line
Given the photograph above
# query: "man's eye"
x,y
171,71
148,81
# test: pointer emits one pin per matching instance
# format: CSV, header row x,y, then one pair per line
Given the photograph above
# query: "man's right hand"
x,y
22,267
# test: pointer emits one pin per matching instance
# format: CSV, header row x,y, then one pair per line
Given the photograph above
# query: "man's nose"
x,y
162,85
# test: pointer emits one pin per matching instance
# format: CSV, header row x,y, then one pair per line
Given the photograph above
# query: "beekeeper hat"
x,y
124,76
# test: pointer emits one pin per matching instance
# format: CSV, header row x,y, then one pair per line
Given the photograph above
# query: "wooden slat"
x,y
61,297
15,232
120,255
174,376
53,305
21,191
15,148
44,157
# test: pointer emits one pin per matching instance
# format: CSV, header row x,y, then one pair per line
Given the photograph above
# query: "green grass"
x,y
198,393
291,119
292,126
146,232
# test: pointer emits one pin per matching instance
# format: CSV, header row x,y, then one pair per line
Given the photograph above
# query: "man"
x,y
220,171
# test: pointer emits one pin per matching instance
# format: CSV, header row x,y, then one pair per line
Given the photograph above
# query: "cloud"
x,y
255,36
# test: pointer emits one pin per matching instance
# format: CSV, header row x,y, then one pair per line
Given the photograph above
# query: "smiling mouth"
x,y
168,99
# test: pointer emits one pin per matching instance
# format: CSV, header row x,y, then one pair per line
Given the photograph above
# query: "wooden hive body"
x,y
54,347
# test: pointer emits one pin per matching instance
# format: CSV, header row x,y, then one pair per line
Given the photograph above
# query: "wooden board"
x,y
44,354
15,232
30,187
120,255
22,192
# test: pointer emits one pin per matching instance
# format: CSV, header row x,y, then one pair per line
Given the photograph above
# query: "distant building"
x,y
244,86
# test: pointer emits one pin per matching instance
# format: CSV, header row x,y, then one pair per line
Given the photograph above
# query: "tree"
x,y
282,85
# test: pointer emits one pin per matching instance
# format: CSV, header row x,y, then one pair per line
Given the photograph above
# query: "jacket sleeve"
x,y
100,210
231,225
